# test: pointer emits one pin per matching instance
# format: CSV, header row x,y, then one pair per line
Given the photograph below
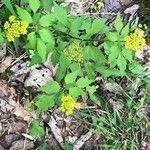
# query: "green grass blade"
x,y
9,6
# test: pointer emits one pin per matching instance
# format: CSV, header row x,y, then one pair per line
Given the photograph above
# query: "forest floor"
x,y
93,128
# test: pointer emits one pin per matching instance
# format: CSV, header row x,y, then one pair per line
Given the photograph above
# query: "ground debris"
x,y
22,144
30,76
67,129
5,64
5,107
9,105
56,131
80,142
110,6
2,50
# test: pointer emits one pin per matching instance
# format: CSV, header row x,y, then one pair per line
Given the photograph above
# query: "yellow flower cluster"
x,y
135,41
74,53
68,105
15,28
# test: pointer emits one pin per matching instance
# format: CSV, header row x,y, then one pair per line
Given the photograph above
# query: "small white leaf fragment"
x,y
56,131
79,143
28,136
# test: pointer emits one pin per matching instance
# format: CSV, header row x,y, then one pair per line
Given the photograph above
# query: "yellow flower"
x,y
24,24
10,37
12,18
6,25
135,41
77,106
23,28
68,105
15,28
74,52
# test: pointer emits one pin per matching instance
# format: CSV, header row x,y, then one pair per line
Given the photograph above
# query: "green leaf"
x,y
75,91
136,68
121,62
76,67
60,27
36,129
91,89
44,102
64,63
90,70
36,59
47,20
83,82
60,14
50,88
41,49
118,23
128,54
107,72
86,24
9,5
75,26
125,31
112,36
34,5
71,77
47,4
60,74
36,17
47,36
107,46
95,54
32,40
98,25
23,14
114,53
55,57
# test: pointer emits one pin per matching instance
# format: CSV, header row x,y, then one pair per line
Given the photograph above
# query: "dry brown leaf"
x,y
5,64
8,100
20,111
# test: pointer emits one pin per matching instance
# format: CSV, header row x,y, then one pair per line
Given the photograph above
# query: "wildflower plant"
x,y
74,43
70,40
121,45
68,105
15,28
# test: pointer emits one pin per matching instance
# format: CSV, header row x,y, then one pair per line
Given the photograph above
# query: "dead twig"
x,y
105,13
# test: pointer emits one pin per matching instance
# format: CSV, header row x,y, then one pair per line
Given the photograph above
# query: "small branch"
x,y
106,13
77,38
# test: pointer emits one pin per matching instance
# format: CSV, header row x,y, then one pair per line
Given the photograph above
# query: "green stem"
x,y
77,38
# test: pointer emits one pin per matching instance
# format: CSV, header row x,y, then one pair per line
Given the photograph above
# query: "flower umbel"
x,y
74,52
135,41
68,105
12,18
15,28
